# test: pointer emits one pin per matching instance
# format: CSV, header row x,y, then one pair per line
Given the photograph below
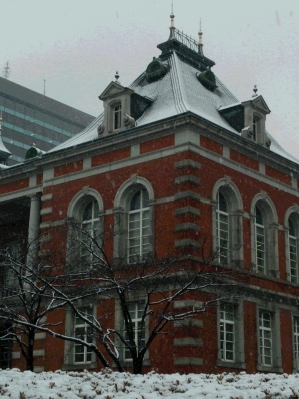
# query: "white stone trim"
x,y
81,195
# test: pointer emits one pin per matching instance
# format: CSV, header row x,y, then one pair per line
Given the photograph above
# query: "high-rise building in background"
x,y
30,117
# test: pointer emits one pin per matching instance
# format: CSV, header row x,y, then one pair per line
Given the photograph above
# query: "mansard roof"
x,y
178,91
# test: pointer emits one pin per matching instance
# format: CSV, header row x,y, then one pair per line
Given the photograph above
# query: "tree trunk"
x,y
138,365
29,357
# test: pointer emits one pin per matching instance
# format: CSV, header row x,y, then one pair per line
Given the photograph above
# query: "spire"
x,y
172,28
200,44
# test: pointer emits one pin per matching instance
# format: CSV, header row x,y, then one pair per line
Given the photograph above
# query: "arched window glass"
x,y
222,229
138,226
259,235
117,117
293,252
90,231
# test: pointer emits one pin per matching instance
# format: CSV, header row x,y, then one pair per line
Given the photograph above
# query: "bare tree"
x,y
28,292
90,278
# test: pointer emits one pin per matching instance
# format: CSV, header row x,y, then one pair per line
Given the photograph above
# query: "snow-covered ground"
x,y
108,385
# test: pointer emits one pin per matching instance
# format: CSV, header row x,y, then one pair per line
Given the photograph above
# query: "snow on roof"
x,y
177,92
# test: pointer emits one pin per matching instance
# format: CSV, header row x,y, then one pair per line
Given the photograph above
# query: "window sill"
x,y
232,365
81,366
273,369
129,363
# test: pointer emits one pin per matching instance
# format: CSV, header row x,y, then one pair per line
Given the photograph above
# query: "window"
x,y
227,333
117,117
293,250
82,330
230,335
5,347
90,231
296,342
134,221
260,250
85,230
268,335
138,226
254,128
265,339
5,355
138,334
227,218
264,226
222,229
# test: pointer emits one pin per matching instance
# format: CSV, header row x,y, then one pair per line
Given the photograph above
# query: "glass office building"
x,y
30,117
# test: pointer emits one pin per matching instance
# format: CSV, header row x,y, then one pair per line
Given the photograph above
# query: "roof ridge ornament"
x,y
255,89
116,77
172,28
200,43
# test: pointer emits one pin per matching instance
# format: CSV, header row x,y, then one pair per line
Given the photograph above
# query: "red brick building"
x,y
201,164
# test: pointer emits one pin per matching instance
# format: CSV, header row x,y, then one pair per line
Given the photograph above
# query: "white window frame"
x,y
134,308
121,216
227,328
292,245
140,220
75,216
117,116
224,323
293,252
260,244
265,324
264,241
268,338
296,342
80,324
222,229
257,128
90,232
234,219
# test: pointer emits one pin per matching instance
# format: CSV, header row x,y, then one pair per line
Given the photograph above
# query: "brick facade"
x,y
186,161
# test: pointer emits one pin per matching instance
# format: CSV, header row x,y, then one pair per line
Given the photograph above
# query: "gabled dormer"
x,y
117,108
255,111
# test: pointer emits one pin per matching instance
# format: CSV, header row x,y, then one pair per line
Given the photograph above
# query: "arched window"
x,y
227,217
138,226
85,229
89,231
293,233
117,117
222,229
134,220
260,249
264,236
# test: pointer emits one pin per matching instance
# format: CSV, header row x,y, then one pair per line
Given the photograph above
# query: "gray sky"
x,y
78,45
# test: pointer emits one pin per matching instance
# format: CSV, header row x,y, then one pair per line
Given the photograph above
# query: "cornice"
x,y
148,132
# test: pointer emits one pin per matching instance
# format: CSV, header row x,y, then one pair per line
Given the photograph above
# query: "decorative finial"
x,y
116,77
0,122
172,28
200,44
255,91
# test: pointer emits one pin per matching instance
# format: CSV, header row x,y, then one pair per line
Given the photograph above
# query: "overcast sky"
x,y
78,45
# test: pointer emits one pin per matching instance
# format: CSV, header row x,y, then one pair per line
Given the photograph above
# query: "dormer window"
x,y
255,112
117,117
